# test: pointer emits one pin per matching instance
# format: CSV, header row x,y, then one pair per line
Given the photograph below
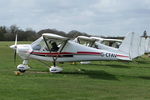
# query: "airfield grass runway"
x,y
101,80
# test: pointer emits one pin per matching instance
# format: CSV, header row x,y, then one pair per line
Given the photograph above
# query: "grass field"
x,y
101,80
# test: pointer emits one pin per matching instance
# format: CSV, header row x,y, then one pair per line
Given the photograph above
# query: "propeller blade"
x,y
16,40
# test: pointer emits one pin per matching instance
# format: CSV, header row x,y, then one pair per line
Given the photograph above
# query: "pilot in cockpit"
x,y
54,47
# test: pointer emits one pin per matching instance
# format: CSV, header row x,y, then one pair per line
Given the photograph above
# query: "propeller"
x,y
15,48
16,40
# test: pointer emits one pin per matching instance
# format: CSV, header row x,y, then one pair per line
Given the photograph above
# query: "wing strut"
x,y
56,37
46,44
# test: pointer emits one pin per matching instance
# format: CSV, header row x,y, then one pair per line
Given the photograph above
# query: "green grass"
x,y
101,80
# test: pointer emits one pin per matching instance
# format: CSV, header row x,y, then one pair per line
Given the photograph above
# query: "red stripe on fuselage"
x,y
122,56
90,53
68,53
65,53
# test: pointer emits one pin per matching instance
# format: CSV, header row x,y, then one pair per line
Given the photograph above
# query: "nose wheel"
x,y
22,68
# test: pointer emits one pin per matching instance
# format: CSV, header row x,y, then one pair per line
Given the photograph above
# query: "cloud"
x,y
99,17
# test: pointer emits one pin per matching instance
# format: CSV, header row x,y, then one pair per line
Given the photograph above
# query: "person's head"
x,y
54,44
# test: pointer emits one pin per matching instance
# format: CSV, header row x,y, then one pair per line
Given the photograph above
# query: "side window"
x,y
53,45
37,47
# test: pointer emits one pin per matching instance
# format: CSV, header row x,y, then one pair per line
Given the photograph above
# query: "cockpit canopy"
x,y
49,45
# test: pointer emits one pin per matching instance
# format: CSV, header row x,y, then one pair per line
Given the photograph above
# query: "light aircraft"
x,y
110,42
133,44
55,48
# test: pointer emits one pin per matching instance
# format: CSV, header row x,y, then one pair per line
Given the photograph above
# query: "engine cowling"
x,y
24,51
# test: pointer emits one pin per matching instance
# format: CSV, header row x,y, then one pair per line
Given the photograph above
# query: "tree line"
x,y
9,33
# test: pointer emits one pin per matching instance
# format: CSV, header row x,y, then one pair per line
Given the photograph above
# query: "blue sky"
x,y
97,17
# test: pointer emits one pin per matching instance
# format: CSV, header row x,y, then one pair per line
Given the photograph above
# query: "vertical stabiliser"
x,y
133,45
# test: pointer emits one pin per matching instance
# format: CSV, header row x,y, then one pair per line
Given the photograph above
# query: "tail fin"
x,y
126,43
133,45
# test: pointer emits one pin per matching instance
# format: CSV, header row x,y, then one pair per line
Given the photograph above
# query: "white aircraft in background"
x,y
110,42
94,42
133,44
55,48
97,42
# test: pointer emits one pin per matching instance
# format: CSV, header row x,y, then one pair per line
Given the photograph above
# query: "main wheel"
x,y
55,69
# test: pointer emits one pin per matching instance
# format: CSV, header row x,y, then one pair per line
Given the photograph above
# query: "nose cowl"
x,y
13,46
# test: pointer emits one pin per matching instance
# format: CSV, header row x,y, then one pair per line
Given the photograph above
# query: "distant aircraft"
x,y
55,48
97,42
110,42
133,44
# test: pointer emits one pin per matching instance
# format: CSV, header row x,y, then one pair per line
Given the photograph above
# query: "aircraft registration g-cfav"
x,y
55,48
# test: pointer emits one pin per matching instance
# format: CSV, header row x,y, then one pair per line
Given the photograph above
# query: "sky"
x,y
95,17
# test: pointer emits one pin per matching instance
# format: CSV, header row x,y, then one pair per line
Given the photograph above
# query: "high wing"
x,y
84,38
115,40
54,37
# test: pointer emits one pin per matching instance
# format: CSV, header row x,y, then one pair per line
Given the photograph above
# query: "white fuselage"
x,y
77,52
